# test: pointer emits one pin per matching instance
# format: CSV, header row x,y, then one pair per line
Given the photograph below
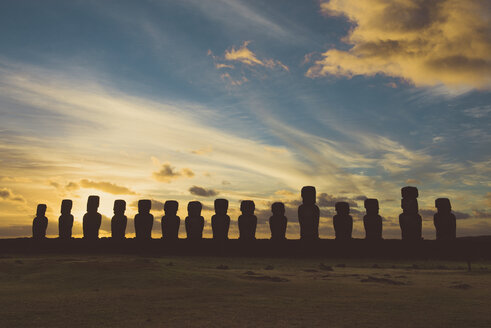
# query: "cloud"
x,y
413,181
107,187
487,199
247,59
481,214
70,186
478,112
7,195
157,205
167,173
428,43
15,179
202,151
326,200
286,193
245,56
200,191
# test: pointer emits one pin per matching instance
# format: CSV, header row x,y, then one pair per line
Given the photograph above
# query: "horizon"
x,y
197,100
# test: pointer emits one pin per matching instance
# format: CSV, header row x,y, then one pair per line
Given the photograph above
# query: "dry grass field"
x,y
132,291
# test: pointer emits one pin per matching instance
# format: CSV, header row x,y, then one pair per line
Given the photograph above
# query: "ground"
x,y
132,291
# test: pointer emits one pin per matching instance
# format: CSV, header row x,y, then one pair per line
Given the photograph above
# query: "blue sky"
x,y
248,100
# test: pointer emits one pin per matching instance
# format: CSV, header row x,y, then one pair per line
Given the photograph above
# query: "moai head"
x,y
308,195
171,207
119,207
92,203
443,205
371,205
221,206
144,206
409,205
41,210
247,207
342,208
194,209
278,209
66,206
409,192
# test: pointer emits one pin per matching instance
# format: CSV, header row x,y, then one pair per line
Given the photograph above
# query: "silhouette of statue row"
x,y
308,216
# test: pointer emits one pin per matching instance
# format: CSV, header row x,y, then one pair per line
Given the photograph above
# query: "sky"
x,y
204,99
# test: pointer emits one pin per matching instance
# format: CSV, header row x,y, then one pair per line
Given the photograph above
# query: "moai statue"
x,y
278,222
40,223
92,219
119,220
170,221
444,220
220,222
247,221
342,221
308,215
410,220
144,220
372,220
194,221
65,222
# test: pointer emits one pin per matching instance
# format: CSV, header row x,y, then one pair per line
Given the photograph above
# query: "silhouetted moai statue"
x,y
278,222
194,221
372,220
247,221
65,222
220,222
170,221
444,220
308,215
342,221
92,219
409,220
144,220
119,220
40,223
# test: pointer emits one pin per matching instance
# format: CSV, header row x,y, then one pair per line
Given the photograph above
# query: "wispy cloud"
x,y
245,56
247,59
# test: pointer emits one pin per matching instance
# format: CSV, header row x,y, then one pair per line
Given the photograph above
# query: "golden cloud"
x,y
242,55
7,195
246,56
107,187
167,173
425,42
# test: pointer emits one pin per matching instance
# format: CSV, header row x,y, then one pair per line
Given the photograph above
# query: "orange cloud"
x,y
427,43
